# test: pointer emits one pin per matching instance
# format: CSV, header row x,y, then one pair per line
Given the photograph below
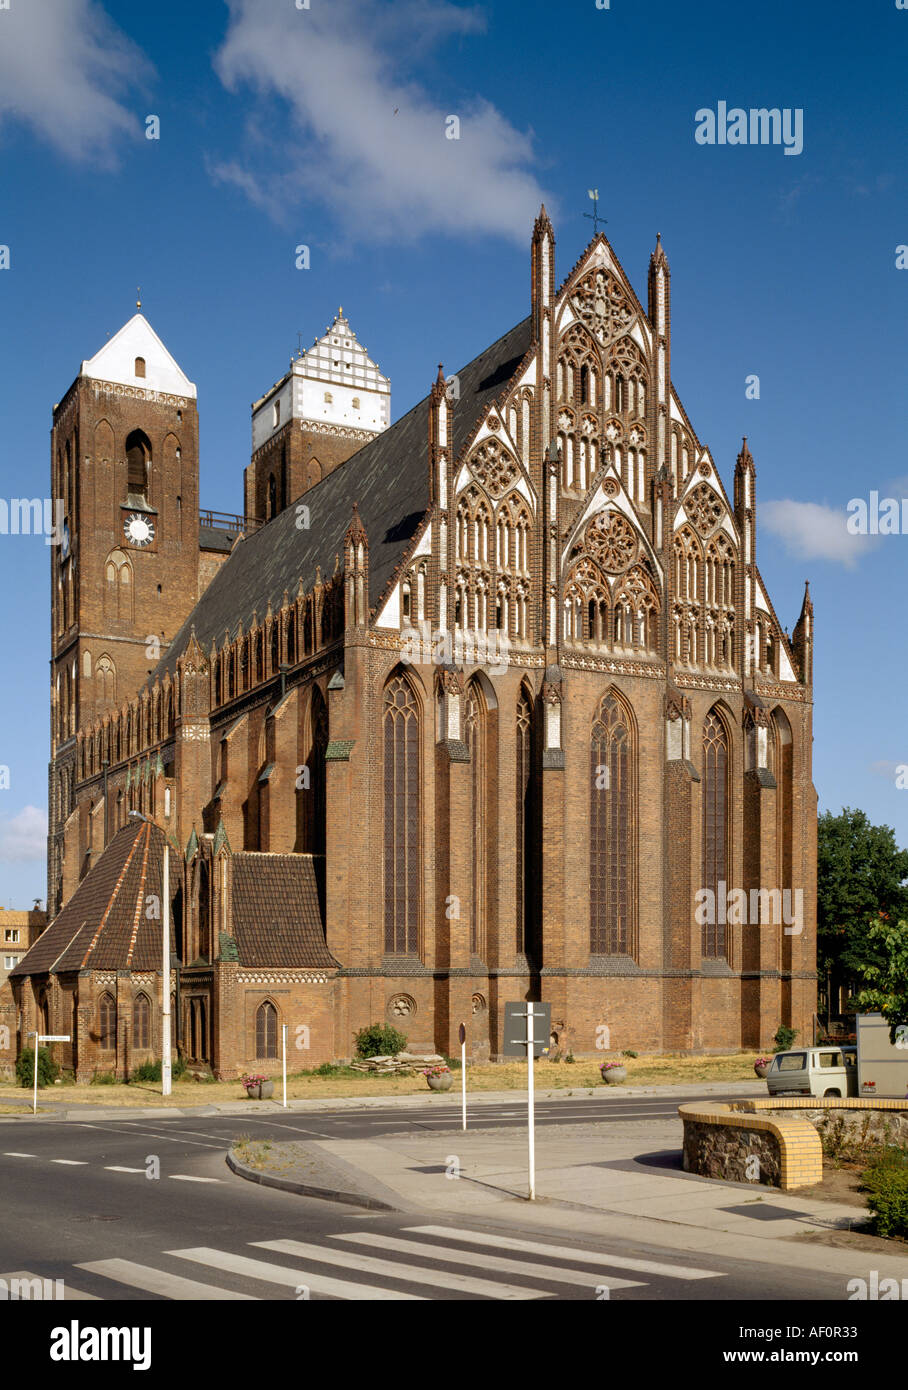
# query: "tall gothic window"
x,y
107,1023
783,770
402,817
141,1022
311,800
715,829
266,1030
138,461
526,866
476,739
612,821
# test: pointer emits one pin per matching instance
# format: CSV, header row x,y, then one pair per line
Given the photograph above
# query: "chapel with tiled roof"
x,y
490,703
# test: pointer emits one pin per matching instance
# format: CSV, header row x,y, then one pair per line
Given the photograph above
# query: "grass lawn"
x,y
493,1076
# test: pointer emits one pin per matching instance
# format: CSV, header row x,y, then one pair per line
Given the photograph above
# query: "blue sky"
x,y
278,127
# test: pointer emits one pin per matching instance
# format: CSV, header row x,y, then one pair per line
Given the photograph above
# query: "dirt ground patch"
x,y
648,1070
840,1184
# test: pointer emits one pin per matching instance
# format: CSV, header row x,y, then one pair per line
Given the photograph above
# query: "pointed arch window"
x,y
107,1023
138,463
527,859
401,818
141,1022
612,837
715,830
476,740
313,802
266,1031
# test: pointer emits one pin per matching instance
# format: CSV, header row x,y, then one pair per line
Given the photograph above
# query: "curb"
x,y
441,1101
242,1170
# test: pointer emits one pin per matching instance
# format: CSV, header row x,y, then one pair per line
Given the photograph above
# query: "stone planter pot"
x,y
761,1072
614,1076
264,1091
442,1082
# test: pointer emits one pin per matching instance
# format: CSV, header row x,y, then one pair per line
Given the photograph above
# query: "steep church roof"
x,y
104,925
388,479
276,911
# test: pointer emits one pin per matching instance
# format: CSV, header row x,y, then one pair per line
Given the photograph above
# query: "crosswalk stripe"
x,y
116,1168
159,1281
583,1277
568,1252
352,1259
72,1162
187,1177
69,1294
290,1278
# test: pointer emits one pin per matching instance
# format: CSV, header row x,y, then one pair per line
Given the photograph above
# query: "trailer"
x,y
882,1065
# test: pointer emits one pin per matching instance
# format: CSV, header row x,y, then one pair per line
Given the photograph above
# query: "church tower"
x,y
124,464
331,401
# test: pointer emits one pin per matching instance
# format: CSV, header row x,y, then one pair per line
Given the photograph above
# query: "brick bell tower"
x,y
125,466
332,400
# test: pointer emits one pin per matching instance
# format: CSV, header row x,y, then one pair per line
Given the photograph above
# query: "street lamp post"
x,y
166,1059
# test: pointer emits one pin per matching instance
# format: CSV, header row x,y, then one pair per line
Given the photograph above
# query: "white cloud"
x,y
365,139
63,67
813,531
884,768
23,836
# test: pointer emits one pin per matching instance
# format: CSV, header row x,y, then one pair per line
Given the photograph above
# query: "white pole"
x,y
284,1051
463,1078
531,1103
165,979
35,1098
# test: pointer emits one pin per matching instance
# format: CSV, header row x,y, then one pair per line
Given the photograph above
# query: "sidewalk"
x,y
592,1179
59,1110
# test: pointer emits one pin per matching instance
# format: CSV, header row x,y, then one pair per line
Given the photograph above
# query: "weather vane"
x,y
594,215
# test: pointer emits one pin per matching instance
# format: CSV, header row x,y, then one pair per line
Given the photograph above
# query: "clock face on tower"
x,y
138,529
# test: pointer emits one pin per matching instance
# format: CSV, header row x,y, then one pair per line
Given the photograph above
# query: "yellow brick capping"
x,y
800,1149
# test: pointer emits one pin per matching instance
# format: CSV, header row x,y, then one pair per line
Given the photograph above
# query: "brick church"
x,y
464,709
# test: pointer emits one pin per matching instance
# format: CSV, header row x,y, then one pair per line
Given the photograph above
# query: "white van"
x,y
814,1071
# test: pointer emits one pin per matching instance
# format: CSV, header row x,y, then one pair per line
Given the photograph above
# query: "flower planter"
x,y
761,1072
442,1082
263,1091
613,1076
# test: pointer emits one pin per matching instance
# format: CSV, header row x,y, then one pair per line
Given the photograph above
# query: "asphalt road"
x,y
79,1207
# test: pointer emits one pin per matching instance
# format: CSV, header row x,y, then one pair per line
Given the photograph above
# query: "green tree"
x,y
860,872
887,990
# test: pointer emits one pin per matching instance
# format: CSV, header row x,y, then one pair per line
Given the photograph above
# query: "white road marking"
x,y
72,1162
584,1277
9,1154
414,1274
568,1252
158,1281
290,1278
69,1294
116,1168
187,1177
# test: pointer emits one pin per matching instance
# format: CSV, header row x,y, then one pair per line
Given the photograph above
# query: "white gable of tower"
x,y
137,341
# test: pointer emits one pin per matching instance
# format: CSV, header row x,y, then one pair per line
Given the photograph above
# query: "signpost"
x,y
462,1034
40,1038
166,1064
527,1027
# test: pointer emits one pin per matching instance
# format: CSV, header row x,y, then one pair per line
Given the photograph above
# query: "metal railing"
x,y
229,521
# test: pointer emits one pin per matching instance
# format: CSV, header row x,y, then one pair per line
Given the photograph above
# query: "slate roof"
x,y
277,910
104,926
387,478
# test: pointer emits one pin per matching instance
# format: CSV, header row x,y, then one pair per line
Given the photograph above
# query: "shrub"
x,y
784,1038
151,1071
886,1182
629,1052
103,1078
379,1040
48,1071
